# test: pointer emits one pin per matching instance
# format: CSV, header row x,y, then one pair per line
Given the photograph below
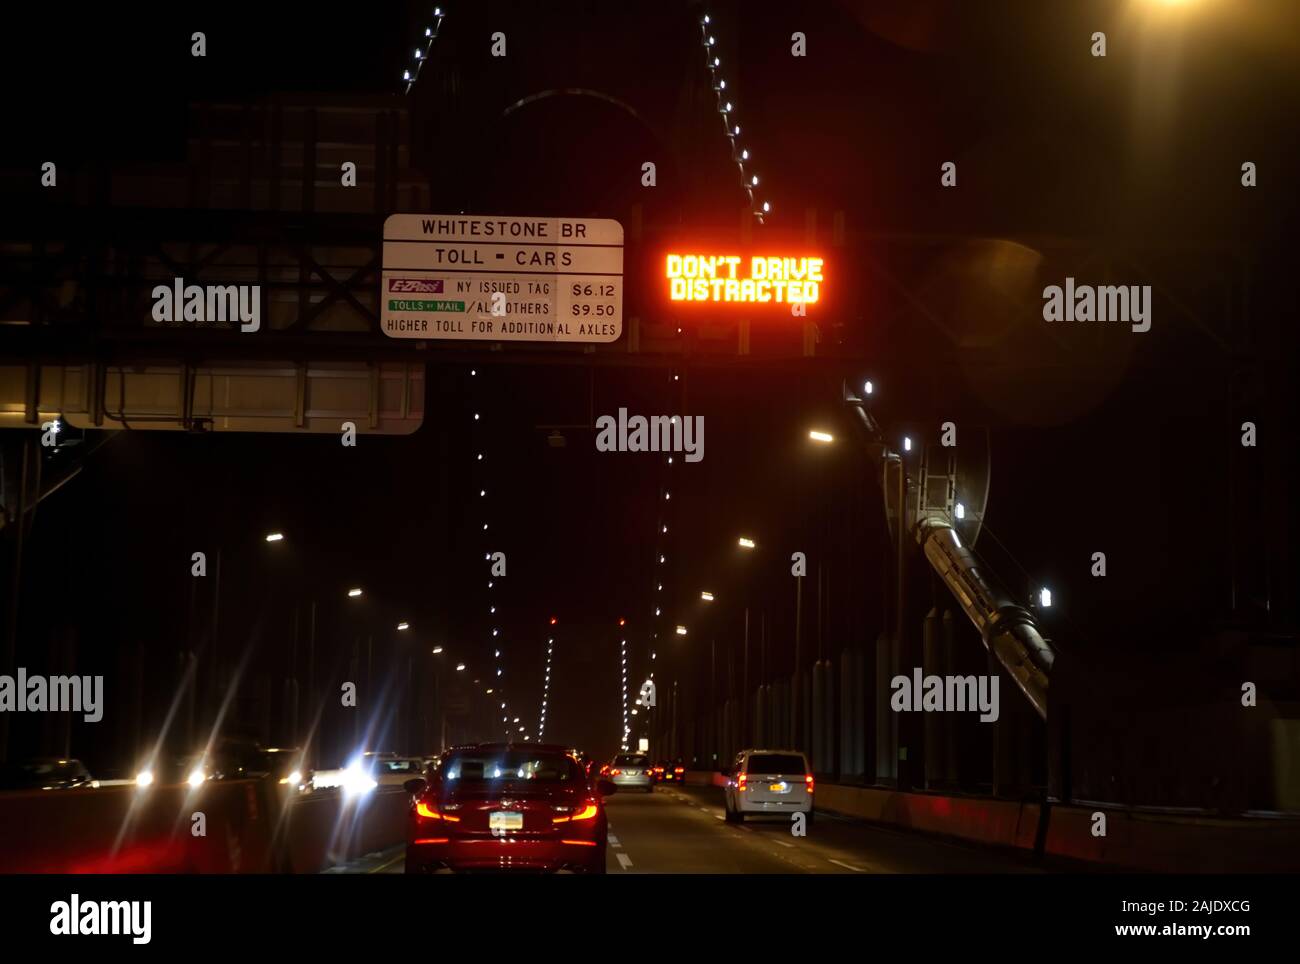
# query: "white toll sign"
x,y
502,279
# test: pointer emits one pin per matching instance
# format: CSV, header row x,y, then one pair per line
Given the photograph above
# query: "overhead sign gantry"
x,y
502,279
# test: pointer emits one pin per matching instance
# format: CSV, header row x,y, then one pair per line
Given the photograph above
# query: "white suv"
x,y
769,781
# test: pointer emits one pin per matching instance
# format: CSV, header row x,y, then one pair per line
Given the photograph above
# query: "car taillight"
x,y
423,810
808,781
678,770
588,812
740,781
615,773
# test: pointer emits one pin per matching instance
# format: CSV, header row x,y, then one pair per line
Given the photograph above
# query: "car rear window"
x,y
775,763
512,765
400,766
630,760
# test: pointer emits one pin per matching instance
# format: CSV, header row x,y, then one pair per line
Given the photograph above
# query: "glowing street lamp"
x,y
403,627
275,537
681,630
819,436
746,543
706,596
437,650
354,593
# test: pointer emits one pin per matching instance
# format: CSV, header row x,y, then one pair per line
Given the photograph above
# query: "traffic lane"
x,y
390,861
654,834
860,847
681,830
658,833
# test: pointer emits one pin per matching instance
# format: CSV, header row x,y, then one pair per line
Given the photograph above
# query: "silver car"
x,y
632,770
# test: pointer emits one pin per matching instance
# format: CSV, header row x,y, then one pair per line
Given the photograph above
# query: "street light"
x,y
819,436
460,667
354,593
706,596
275,537
681,630
437,650
1045,598
403,627
746,543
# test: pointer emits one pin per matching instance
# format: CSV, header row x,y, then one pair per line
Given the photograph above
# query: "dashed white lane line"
x,y
613,841
847,866
624,861
785,843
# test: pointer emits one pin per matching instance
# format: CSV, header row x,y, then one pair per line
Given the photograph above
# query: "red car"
x,y
499,806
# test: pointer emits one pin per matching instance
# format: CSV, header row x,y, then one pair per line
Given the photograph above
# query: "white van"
x,y
769,781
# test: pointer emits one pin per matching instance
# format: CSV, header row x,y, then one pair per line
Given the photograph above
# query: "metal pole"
x,y
15,589
410,702
214,686
370,653
904,771
744,686
293,675
794,679
187,679
442,713
311,679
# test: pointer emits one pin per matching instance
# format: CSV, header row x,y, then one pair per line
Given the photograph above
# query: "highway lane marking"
x,y
613,841
383,867
785,843
624,861
847,866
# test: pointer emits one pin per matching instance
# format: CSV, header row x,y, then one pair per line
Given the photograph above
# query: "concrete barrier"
x,y
705,778
124,830
1134,839
250,827
1005,823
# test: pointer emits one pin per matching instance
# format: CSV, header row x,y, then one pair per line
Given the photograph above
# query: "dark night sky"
x,y
1049,142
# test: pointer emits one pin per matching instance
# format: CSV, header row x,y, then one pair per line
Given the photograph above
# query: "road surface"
x,y
680,830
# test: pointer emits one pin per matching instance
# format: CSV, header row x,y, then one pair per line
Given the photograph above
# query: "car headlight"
x,y
144,778
196,778
293,779
357,781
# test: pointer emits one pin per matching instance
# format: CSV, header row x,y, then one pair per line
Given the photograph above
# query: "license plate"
x,y
505,820
777,787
